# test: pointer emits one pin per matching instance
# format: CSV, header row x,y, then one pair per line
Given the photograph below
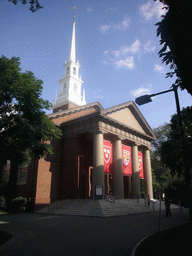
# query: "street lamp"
x,y
148,98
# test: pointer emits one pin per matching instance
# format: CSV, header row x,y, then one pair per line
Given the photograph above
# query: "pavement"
x,y
57,234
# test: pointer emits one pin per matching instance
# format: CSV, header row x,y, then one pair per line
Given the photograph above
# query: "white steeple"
x,y
70,83
72,52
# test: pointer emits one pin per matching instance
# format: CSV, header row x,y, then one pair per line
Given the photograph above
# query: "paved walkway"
x,y
103,208
55,234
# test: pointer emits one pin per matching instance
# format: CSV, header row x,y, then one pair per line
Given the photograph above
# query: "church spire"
x,y
72,51
71,83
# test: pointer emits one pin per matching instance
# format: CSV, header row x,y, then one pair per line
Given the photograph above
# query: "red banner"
x,y
140,159
126,159
108,156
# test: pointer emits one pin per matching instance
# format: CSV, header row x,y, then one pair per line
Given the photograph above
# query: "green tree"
x,y
174,31
24,126
176,152
161,174
34,4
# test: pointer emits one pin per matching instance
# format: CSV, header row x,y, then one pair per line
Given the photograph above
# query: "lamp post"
x,y
148,98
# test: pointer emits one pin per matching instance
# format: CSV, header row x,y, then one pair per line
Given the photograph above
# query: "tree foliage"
x,y
175,36
176,152
24,126
161,174
34,4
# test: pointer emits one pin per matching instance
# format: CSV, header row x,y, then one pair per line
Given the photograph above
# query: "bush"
x,y
18,204
2,202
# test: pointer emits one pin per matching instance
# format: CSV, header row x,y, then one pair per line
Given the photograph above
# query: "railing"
x,y
57,205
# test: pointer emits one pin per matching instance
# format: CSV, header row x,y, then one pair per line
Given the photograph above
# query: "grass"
x,y
4,237
176,241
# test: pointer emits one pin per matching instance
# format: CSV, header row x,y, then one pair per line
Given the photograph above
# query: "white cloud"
x,y
116,53
128,63
159,68
152,9
104,28
106,52
89,9
140,91
124,50
124,25
134,47
148,47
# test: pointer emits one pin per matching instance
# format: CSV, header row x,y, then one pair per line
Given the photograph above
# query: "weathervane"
x,y
74,8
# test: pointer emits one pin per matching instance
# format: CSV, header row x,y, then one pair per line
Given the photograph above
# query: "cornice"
x,y
132,106
95,124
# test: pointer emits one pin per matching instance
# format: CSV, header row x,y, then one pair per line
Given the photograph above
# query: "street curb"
x,y
138,244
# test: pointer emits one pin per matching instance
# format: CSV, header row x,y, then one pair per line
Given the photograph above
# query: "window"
x,y
74,71
67,70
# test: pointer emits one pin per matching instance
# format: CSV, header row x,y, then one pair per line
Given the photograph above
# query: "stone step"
x,y
103,208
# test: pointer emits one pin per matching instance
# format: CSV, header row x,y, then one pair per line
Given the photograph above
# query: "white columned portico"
x,y
118,188
148,188
98,163
135,175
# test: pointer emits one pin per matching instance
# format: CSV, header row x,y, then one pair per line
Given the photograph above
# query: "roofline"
x,y
96,105
126,104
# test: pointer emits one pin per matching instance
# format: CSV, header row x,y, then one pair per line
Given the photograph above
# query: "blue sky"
x,y
116,46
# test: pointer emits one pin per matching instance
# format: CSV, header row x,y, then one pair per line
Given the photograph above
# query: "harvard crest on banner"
x,y
108,156
126,159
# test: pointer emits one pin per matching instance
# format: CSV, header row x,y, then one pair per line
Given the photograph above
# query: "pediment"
x,y
129,115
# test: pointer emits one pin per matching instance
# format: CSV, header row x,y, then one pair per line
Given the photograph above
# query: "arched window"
x,y
74,70
65,86
67,70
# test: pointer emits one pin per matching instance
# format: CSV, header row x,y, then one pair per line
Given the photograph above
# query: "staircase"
x,y
102,208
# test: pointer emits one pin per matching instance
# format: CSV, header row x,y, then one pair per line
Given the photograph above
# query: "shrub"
x,y
18,204
2,202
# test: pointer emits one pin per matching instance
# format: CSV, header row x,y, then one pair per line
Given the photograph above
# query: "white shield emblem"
x,y
107,153
126,157
140,162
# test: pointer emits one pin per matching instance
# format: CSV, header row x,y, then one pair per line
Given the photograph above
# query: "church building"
x,y
101,151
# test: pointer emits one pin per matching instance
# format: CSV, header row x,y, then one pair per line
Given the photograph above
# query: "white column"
x,y
118,187
135,176
148,187
98,163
